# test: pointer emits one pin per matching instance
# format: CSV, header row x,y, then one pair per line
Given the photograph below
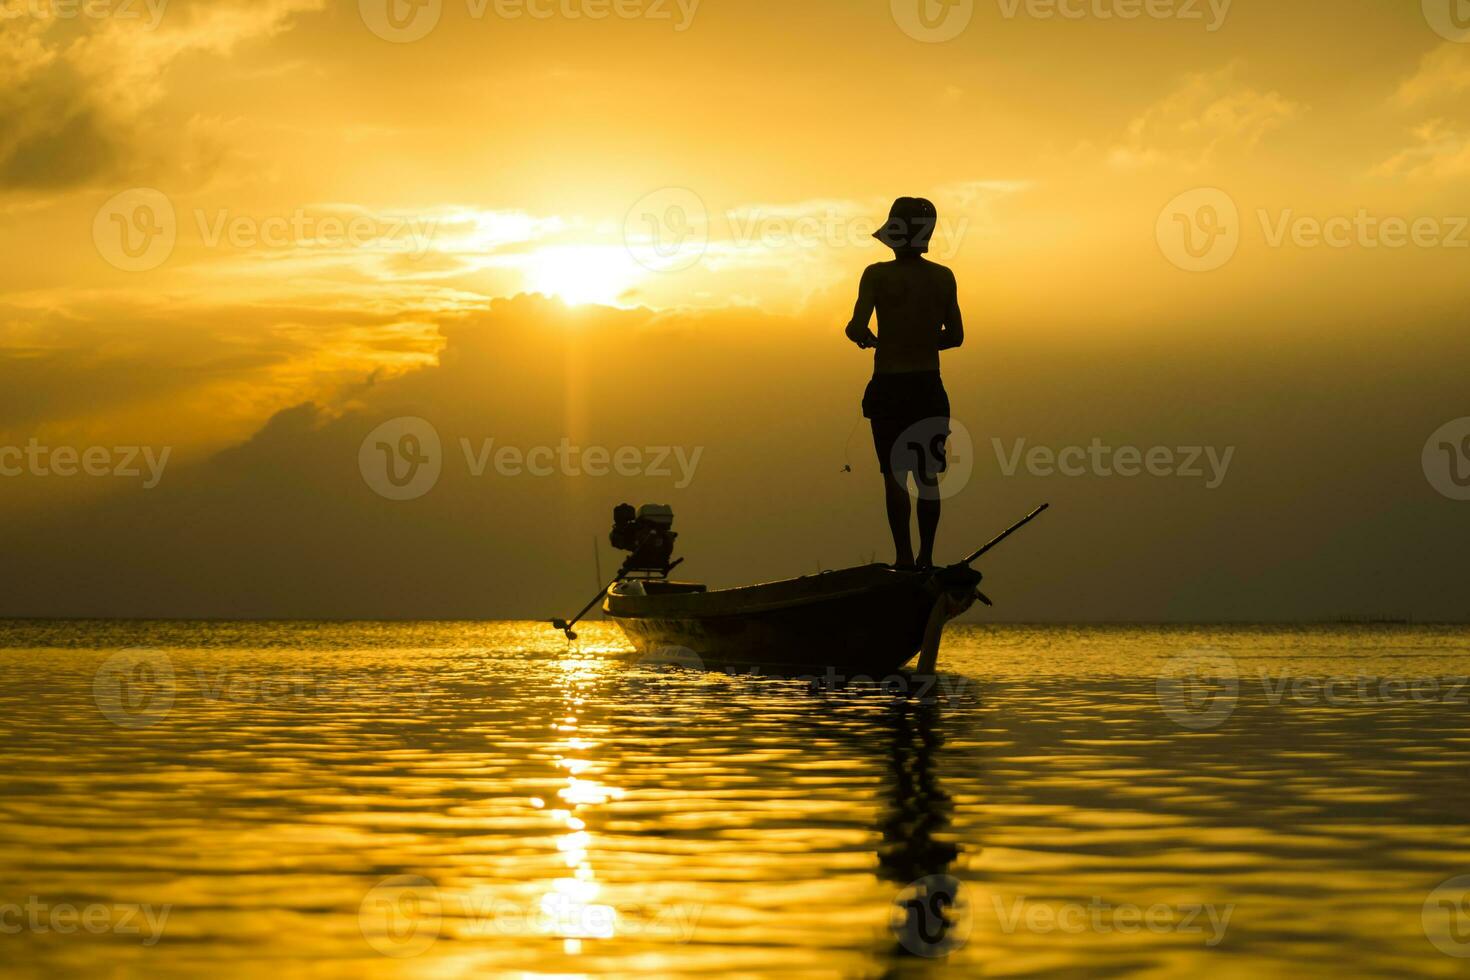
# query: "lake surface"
x,y
417,800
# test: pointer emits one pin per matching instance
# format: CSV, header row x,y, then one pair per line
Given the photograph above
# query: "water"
x,y
448,800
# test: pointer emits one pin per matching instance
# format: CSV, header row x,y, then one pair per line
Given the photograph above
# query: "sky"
x,y
543,256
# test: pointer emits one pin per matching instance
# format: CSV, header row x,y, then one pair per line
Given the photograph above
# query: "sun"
x,y
578,274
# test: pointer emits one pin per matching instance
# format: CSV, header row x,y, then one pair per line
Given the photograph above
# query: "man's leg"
x,y
896,496
928,508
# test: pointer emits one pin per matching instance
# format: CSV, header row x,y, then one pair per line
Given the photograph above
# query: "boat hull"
x,y
868,621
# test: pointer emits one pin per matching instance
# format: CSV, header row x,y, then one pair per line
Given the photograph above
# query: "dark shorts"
x,y
910,417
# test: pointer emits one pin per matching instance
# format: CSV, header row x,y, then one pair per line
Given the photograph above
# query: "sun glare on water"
x,y
579,274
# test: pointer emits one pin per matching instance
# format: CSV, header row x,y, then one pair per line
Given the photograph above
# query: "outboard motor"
x,y
647,534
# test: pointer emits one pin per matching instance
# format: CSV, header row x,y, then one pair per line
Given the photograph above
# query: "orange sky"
x,y
212,212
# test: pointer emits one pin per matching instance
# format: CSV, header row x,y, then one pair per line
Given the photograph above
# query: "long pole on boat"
x,y
566,626
1005,534
597,559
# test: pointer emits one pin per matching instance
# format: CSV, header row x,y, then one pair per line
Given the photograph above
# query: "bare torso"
x,y
918,314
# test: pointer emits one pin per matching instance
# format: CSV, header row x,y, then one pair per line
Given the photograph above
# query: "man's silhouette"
x,y
918,316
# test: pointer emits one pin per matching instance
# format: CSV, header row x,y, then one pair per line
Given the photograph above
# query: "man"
x,y
918,316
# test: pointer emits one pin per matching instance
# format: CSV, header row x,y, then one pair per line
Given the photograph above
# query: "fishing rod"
x,y
1005,534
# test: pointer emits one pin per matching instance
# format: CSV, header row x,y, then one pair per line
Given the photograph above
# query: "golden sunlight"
x,y
583,274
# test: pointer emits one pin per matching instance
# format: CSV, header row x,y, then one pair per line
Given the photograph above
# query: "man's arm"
x,y
952,333
858,331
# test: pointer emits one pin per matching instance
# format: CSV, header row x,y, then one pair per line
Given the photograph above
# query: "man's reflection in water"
x,y
929,917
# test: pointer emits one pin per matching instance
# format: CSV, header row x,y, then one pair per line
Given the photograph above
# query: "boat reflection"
x,y
930,915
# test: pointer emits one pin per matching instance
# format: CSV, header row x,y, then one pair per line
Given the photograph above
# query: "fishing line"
x,y
847,446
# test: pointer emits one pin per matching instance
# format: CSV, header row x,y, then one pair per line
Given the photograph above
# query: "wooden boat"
x,y
869,620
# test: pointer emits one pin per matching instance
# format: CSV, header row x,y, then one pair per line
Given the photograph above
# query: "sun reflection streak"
x,y
569,908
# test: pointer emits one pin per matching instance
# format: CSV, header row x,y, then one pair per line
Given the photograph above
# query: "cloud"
x,y
1443,74
75,91
288,518
1439,152
111,367
1207,114
1440,149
